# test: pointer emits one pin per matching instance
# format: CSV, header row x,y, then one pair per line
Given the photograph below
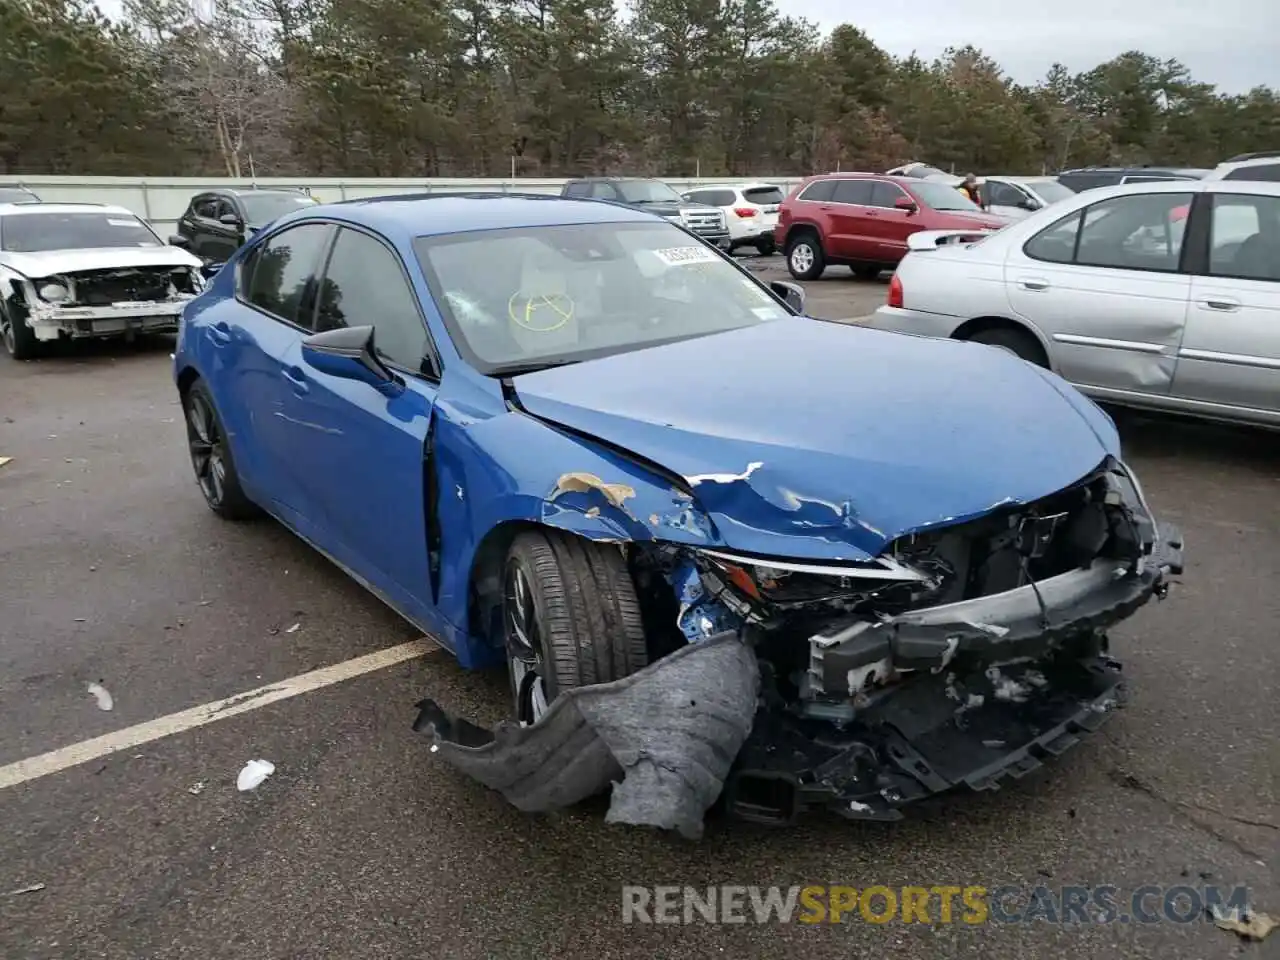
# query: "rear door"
x,y
358,453
1103,283
1230,354
850,219
258,337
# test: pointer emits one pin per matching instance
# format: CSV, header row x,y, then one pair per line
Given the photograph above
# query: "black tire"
x,y
211,457
802,265
574,622
1018,342
19,339
766,247
865,271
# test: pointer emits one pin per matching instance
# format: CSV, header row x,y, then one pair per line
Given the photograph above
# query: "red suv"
x,y
864,219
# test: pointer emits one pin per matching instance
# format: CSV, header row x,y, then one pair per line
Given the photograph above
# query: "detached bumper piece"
x,y
665,737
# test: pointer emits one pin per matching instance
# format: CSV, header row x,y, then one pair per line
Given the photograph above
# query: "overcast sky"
x,y
1232,43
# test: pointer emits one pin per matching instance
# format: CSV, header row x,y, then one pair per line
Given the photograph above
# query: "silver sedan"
x,y
1163,296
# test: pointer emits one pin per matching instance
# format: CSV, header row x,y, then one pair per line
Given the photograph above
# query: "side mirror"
x,y
1029,204
905,203
177,240
230,220
792,293
348,352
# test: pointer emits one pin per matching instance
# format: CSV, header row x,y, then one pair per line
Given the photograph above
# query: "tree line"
x,y
482,88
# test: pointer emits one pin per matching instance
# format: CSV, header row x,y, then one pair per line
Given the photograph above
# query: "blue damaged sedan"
x,y
727,552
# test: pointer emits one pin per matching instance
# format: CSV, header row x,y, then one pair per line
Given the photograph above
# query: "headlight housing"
x,y
54,291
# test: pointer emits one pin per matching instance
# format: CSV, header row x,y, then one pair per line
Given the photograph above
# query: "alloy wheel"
x,y
801,257
524,647
208,452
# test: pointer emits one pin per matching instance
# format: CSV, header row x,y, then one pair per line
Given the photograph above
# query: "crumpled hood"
x,y
51,262
808,439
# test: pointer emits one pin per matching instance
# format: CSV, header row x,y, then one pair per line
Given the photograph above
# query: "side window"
x,y
1142,232
818,192
580,189
853,191
205,207
1244,237
222,208
698,196
886,194
1003,195
364,284
283,272
604,191
720,198
1055,243
1268,172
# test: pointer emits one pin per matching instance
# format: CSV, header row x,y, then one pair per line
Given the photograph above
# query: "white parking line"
x,y
77,753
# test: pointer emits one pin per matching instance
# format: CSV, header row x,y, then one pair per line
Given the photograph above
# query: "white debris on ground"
x,y
253,774
1249,924
196,788
102,695
294,629
4,460
31,888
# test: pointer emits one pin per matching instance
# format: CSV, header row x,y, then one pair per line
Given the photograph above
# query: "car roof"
x,y
250,191
50,206
1251,187
424,215
1137,171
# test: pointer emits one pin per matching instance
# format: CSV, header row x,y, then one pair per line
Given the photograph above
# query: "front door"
x,y
1230,354
891,226
359,453
265,330
1104,284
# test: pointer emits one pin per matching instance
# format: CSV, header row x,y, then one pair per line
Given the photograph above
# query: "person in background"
x,y
969,187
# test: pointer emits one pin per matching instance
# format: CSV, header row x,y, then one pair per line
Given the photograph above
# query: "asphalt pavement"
x,y
362,846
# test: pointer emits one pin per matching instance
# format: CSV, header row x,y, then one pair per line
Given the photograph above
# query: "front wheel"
x,y
766,246
805,260
211,459
570,618
866,271
19,339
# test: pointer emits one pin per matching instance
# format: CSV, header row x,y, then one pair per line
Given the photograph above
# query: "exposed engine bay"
x,y
963,654
103,302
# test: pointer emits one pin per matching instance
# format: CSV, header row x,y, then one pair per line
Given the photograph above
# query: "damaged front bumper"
x,y
881,711
50,323
1004,682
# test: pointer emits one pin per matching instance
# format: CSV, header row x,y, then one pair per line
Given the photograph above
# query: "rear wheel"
x,y
570,618
804,257
211,459
1018,342
766,246
19,339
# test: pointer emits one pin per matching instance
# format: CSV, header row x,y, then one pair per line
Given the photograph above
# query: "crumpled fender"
x,y
495,469
669,733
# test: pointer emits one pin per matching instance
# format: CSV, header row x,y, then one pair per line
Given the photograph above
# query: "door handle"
x,y
1033,283
1225,304
297,377
220,332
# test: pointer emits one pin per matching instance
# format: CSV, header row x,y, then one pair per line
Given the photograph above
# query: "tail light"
x,y
746,213
894,299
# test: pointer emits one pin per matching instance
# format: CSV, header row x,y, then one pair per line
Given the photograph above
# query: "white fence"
x,y
162,200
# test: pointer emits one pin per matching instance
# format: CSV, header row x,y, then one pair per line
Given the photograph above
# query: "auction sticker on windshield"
x,y
677,256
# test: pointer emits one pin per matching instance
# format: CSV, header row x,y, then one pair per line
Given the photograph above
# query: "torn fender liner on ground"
x,y
669,733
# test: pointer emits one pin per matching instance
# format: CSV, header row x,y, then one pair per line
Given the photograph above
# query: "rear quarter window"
x,y
762,195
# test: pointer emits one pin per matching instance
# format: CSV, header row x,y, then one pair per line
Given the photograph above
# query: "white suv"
x,y
750,210
1265,167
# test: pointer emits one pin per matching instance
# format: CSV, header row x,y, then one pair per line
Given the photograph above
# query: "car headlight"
x,y
54,292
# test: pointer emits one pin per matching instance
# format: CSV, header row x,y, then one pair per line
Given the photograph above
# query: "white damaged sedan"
x,y
76,270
